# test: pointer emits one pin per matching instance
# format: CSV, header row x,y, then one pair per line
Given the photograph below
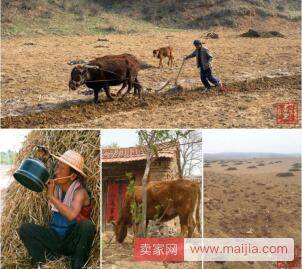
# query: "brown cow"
x,y
165,201
103,72
162,53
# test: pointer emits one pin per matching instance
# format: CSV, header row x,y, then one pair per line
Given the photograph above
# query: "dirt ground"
x,y
117,255
251,202
35,78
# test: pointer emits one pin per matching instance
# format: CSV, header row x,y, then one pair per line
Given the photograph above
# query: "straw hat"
x,y
72,159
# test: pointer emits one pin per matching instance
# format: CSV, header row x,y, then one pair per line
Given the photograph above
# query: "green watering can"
x,y
32,174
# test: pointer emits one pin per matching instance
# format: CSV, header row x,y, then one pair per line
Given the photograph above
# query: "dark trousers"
x,y
206,76
43,243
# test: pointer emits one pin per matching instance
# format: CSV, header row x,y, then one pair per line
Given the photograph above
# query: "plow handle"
x,y
183,62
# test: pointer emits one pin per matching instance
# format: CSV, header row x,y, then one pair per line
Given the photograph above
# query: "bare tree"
x,y
191,153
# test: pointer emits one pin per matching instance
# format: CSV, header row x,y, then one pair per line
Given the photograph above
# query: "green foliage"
x,y
151,138
136,211
158,209
161,210
113,145
7,157
160,136
135,208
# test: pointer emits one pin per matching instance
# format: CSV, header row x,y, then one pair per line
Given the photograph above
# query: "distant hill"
x,y
203,13
248,155
65,17
73,17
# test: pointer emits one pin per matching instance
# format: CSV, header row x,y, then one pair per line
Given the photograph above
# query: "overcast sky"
x,y
12,139
226,140
123,137
252,140
215,141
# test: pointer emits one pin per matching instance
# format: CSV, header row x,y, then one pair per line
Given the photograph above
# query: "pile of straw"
x,y
22,205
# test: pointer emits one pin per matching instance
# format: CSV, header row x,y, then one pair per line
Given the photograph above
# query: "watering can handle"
x,y
41,147
37,148
182,64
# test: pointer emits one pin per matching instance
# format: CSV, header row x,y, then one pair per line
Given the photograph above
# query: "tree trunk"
x,y
143,230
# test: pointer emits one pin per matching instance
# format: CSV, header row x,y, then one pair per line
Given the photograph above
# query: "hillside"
x,y
67,17
205,13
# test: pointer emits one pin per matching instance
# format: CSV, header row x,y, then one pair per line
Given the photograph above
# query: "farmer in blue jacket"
x,y
204,59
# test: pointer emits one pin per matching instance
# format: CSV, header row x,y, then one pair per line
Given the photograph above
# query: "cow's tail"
x,y
197,213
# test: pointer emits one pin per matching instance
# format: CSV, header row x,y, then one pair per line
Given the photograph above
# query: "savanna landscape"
x,y
257,197
42,39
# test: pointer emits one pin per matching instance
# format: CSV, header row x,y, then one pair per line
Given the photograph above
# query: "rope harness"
x,y
82,81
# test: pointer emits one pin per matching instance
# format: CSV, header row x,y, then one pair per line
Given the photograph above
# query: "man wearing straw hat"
x,y
204,59
70,231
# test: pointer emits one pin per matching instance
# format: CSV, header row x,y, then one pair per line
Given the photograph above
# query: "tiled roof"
x,y
120,155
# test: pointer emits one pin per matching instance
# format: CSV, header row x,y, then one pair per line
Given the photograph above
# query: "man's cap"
x,y
197,42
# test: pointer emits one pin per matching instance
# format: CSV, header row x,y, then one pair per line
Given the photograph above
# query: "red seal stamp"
x,y
287,113
294,264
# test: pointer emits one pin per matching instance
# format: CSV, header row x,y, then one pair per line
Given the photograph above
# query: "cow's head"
x,y
155,53
80,74
120,231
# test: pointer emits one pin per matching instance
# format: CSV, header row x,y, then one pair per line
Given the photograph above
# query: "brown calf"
x,y
162,53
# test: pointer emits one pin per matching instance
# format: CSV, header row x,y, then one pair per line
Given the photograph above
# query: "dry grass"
x,y
231,168
294,170
296,165
22,205
285,174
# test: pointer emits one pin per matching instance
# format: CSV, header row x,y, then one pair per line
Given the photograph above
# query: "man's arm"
x,y
192,55
74,210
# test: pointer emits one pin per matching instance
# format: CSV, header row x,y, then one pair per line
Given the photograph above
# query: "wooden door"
x,y
112,202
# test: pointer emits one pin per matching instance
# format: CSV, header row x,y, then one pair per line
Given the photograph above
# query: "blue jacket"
x,y
206,58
